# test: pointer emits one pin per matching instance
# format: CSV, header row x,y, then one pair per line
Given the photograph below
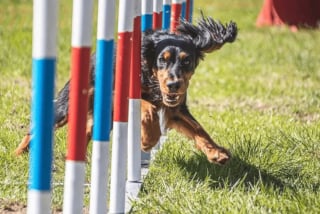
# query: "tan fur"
x,y
150,128
187,125
23,146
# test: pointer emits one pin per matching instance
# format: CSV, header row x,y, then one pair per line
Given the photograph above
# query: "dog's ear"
x,y
208,35
148,50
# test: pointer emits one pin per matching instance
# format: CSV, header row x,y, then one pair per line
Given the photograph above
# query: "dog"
x,y
168,62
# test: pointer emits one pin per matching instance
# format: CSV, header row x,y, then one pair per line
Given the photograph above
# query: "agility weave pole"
x,y
43,75
180,9
124,134
146,24
135,172
78,106
157,14
134,117
102,106
120,115
189,10
146,14
166,14
176,13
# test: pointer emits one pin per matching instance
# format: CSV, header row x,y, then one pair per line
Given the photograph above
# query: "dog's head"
x,y
171,58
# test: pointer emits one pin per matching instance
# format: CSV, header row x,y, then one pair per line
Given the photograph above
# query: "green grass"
x,y
259,97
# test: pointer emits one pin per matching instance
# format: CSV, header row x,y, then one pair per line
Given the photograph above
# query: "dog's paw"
x,y
218,155
146,147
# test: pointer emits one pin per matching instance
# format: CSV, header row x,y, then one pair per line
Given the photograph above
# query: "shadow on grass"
x,y
236,172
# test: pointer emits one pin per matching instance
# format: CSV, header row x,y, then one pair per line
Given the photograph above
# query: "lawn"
x,y
259,97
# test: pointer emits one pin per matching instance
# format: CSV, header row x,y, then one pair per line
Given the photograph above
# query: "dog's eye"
x,y
186,61
162,60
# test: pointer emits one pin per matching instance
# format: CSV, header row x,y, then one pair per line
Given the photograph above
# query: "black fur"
x,y
207,36
168,61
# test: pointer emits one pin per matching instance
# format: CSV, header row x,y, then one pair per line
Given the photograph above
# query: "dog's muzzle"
x,y
172,99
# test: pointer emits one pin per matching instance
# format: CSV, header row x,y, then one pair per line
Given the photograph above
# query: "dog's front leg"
x,y
184,122
150,128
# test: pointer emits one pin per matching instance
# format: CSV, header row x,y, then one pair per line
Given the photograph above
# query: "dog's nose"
x,y
173,86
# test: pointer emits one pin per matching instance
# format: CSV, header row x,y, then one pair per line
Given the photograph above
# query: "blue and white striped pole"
x,y
102,106
43,73
166,14
183,9
146,14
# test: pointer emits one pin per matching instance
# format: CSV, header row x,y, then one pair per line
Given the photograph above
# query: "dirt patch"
x,y
7,207
12,207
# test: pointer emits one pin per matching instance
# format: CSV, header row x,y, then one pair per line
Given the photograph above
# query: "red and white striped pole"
x,y
120,115
78,106
176,8
157,14
134,120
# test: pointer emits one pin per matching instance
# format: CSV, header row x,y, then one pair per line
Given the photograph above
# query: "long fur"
x,y
208,34
168,62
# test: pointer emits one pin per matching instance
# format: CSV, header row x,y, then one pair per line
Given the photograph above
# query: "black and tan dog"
x,y
168,62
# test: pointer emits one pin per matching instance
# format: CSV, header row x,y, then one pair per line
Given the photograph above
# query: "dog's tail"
x,y
24,145
61,108
209,34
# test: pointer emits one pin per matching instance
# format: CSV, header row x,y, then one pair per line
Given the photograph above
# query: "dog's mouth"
x,y
172,99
